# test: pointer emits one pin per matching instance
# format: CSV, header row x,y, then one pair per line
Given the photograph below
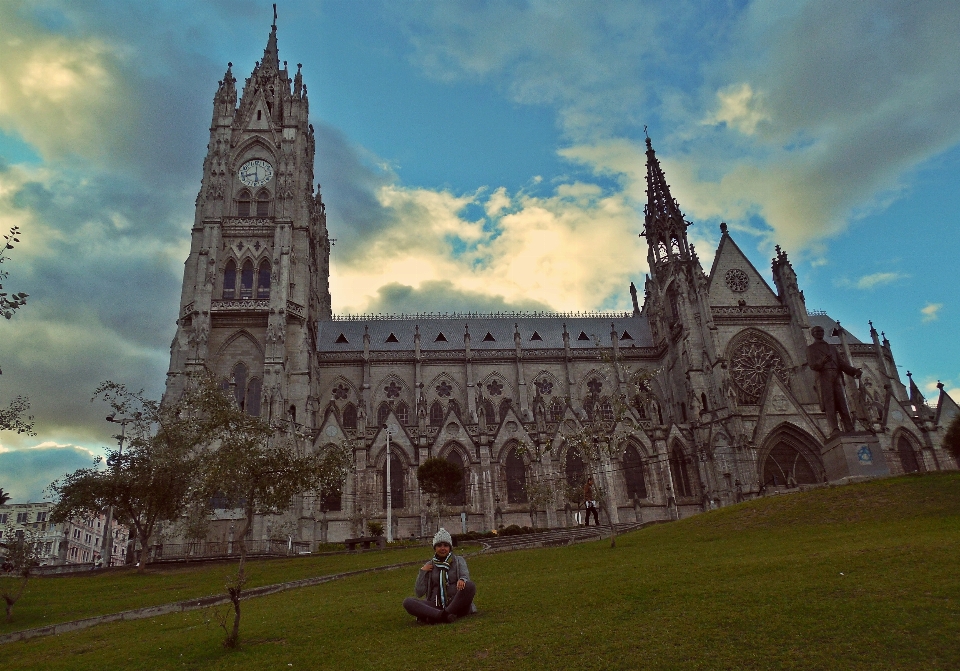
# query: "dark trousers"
x,y
596,517
459,605
834,401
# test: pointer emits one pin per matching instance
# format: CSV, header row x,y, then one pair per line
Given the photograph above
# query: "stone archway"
x,y
790,457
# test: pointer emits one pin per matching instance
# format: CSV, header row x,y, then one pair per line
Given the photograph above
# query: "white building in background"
x,y
77,541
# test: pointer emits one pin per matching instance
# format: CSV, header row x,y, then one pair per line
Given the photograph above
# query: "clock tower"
x,y
257,277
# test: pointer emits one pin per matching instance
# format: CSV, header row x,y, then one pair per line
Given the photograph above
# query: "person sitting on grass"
x,y
445,581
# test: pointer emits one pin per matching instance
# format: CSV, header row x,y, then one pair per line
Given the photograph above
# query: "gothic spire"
x,y
271,55
664,225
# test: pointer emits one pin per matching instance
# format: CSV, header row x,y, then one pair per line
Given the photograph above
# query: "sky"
x,y
474,155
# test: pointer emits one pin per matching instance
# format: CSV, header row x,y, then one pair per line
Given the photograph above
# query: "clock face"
x,y
256,172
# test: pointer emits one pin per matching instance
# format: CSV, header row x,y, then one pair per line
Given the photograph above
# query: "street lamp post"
x,y
106,548
389,491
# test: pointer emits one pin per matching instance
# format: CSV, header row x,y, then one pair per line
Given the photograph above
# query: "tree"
x,y
9,302
149,482
600,434
441,479
13,418
254,467
540,493
21,558
951,439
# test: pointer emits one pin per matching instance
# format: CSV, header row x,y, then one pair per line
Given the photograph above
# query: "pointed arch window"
x,y
633,474
574,468
243,204
606,411
489,413
640,406
240,384
436,414
396,482
403,413
246,279
263,280
504,406
458,498
230,280
263,203
557,408
681,477
253,397
350,416
382,413
516,478
332,501
453,405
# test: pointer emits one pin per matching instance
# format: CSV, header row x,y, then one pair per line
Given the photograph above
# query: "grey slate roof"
x,y
631,331
828,323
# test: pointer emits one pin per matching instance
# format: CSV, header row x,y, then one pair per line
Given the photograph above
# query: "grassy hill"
x,y
862,576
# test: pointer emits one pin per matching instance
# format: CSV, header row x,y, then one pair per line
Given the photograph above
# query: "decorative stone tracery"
x,y
753,360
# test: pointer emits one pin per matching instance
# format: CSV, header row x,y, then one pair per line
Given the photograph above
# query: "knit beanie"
x,y
442,536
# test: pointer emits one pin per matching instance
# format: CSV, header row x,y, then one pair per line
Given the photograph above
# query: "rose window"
x,y
495,388
595,386
545,387
753,362
392,389
737,280
340,392
444,389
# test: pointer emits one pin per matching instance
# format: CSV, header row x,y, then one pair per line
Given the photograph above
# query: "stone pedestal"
x,y
853,455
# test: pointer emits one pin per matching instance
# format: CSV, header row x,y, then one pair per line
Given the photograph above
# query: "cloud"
x,y
512,248
872,280
931,312
26,473
738,106
803,117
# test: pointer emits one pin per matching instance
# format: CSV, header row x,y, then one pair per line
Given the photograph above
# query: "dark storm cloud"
x,y
350,179
442,296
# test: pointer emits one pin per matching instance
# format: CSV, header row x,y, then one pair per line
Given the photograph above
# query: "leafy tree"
x,y
597,439
22,558
4,496
148,482
9,302
951,439
256,468
540,493
440,479
13,418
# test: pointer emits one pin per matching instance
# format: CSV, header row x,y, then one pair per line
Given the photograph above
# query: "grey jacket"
x,y
428,582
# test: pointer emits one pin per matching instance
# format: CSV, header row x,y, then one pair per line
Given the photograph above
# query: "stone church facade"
x,y
733,410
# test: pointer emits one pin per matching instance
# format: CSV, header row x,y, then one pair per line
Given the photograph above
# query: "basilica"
x,y
732,409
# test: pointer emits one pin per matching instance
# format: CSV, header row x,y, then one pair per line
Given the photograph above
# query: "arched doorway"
x,y
790,457
633,474
908,456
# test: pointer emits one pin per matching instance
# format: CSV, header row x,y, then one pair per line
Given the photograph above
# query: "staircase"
x,y
557,537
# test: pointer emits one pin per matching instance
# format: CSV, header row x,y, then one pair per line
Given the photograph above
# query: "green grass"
x,y
858,577
55,599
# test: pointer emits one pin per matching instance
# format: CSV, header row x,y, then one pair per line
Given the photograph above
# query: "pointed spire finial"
x,y
274,16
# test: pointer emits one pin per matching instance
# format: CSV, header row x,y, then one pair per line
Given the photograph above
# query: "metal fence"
x,y
200,550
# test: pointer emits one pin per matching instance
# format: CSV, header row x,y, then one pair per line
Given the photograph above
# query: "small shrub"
x,y
375,528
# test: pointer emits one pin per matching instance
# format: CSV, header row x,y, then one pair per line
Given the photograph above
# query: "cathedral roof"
x,y
487,332
828,324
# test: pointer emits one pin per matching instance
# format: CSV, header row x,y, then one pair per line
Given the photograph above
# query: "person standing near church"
x,y
590,502
443,588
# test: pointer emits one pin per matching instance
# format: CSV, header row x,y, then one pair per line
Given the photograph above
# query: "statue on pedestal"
x,y
826,361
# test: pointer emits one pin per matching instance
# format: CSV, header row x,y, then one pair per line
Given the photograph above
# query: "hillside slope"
x,y
863,576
